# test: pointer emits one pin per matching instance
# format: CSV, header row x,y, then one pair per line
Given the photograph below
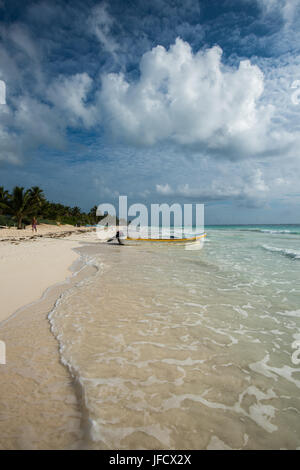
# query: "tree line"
x,y
21,205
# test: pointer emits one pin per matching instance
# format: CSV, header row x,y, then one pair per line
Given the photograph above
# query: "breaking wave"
x,y
293,254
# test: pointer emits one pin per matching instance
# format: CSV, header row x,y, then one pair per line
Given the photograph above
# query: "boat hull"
x,y
168,240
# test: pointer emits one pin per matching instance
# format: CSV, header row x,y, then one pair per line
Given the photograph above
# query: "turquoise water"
x,y
292,229
188,349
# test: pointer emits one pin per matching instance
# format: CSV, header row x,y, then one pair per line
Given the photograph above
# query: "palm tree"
x,y
32,202
76,211
37,195
4,194
37,199
94,218
4,197
20,204
93,213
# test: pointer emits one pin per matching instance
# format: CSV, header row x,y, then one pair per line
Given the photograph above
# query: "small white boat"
x,y
177,237
172,239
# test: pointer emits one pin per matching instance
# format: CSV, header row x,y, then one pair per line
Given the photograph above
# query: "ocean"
x,y
176,349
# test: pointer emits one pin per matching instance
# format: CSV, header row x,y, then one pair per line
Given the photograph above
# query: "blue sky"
x,y
164,101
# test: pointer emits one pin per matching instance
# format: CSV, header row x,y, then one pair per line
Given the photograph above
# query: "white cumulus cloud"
x,y
189,99
69,95
249,187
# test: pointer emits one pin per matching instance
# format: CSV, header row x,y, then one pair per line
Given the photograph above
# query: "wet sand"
x,y
37,391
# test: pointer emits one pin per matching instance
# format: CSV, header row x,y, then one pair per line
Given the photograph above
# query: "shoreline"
x,y
33,364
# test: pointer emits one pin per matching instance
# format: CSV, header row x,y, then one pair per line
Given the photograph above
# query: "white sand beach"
x,y
28,267
43,230
29,264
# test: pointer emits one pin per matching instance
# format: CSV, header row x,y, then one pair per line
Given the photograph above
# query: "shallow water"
x,y
187,349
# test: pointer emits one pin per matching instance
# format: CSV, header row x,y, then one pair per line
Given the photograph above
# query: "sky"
x,y
163,101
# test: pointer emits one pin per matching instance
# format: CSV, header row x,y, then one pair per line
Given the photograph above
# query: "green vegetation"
x,y
20,206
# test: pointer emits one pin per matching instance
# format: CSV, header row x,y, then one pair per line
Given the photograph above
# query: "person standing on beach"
x,y
118,235
34,224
